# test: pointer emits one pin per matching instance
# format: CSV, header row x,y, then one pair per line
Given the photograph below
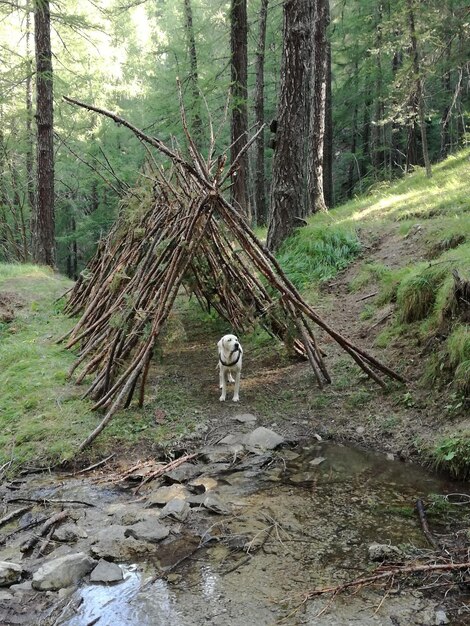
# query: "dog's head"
x,y
229,344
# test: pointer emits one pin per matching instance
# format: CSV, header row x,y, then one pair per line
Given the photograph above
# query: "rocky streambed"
x,y
238,534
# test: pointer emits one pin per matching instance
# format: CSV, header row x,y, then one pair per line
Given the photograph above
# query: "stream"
x,y
279,525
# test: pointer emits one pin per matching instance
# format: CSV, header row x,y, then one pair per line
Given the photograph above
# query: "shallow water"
x,y
307,521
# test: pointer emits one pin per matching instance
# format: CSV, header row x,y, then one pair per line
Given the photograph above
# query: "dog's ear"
x,y
219,346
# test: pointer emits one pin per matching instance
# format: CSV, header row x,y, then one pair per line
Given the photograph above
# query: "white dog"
x,y
230,362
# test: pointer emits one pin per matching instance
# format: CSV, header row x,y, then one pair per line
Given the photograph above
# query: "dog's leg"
x,y
230,378
237,387
223,385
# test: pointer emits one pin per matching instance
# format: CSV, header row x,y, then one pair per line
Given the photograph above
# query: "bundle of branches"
x,y
190,235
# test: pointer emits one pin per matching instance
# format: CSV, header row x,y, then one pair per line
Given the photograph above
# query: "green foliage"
x,y
416,294
317,253
453,455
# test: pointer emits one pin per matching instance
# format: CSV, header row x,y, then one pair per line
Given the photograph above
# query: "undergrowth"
x,y
317,253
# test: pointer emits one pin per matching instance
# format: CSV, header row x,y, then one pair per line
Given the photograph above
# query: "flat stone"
x,y
178,509
62,572
216,454
245,418
106,572
5,596
211,502
183,473
10,573
289,455
165,494
232,440
317,460
263,439
69,532
441,618
111,543
150,531
205,482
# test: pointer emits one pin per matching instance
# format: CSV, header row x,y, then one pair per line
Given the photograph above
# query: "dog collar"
x,y
230,364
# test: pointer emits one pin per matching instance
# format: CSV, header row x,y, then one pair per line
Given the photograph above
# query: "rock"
x,y
211,502
217,454
5,596
179,509
24,587
234,441
245,418
111,543
173,578
289,455
69,532
150,531
360,430
183,473
106,572
10,573
389,456
318,460
384,552
441,617
263,439
165,494
203,483
62,572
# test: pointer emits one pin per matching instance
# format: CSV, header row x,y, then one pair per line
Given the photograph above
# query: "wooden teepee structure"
x,y
188,236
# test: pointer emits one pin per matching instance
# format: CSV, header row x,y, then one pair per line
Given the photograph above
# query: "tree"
x,y
43,233
259,170
318,90
418,95
239,93
193,74
289,164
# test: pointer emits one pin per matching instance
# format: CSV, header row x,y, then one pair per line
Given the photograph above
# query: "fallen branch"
x,y
13,515
424,524
369,295
394,571
95,465
32,541
50,501
165,468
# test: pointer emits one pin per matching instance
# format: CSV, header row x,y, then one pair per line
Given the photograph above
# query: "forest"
x,y
181,178
380,87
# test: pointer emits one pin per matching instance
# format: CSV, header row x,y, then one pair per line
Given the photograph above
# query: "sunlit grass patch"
x,y
316,253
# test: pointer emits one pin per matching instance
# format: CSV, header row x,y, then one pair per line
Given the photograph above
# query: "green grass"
x,y
317,252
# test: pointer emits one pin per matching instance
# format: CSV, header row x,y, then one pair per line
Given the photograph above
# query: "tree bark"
x,y
419,95
29,157
318,91
288,166
259,183
328,142
196,121
239,91
43,235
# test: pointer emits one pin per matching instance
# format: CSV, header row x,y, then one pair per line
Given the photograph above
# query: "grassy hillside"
x,y
422,228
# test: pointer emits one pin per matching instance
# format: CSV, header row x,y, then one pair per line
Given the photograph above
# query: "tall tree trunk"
x,y
193,75
318,107
328,142
288,166
29,158
377,127
259,183
418,88
239,73
43,237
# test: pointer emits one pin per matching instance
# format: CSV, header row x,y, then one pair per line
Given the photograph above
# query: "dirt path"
x,y
282,392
